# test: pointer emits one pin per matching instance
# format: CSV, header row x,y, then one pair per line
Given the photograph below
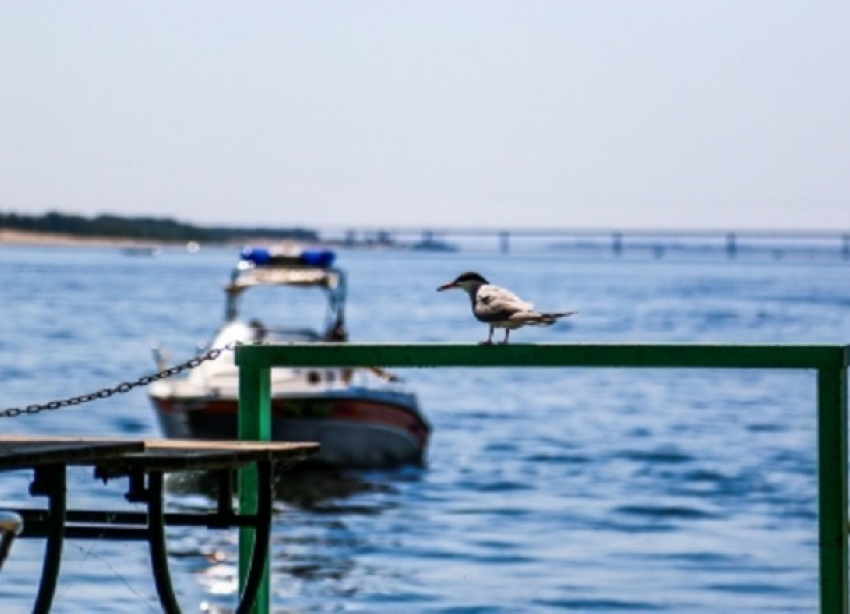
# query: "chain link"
x,y
14,412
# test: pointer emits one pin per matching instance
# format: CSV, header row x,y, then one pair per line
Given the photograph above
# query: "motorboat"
x,y
361,417
150,251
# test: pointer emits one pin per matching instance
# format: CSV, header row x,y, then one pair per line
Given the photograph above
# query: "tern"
x,y
498,307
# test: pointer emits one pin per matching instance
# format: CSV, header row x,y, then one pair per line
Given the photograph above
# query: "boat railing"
x,y
829,362
284,334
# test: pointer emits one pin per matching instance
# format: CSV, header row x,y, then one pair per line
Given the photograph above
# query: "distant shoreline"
x,y
18,237
48,239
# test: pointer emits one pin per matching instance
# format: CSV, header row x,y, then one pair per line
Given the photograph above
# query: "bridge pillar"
x,y
617,243
504,242
731,247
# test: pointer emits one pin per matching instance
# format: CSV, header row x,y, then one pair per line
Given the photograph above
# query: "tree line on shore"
x,y
143,228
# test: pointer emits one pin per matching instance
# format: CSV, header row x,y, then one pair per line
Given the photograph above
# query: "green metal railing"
x,y
829,361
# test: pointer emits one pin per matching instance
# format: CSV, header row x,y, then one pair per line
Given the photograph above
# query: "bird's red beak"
x,y
447,286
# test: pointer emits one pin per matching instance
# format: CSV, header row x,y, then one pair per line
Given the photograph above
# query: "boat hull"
x,y
354,431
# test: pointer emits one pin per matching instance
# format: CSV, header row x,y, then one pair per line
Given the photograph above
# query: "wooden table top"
x,y
119,455
23,453
168,455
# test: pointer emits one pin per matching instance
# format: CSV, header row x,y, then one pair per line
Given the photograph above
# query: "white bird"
x,y
498,307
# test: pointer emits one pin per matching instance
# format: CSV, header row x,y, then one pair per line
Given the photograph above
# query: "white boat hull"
x,y
358,430
361,417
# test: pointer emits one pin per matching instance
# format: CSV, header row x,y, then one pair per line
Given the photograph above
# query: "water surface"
x,y
546,489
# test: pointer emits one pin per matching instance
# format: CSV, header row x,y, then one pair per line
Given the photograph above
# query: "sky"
x,y
729,114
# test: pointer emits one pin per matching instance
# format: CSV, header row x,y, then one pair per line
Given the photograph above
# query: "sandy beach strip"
x,y
18,237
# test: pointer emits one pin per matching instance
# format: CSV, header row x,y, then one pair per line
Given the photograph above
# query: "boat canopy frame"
x,y
332,280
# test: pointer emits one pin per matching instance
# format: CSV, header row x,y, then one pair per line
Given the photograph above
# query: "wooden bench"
x,y
144,462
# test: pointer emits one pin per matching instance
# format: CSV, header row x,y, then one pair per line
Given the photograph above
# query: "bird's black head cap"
x,y
471,276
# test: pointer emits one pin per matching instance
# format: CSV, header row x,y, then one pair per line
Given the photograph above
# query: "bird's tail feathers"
x,y
547,319
563,314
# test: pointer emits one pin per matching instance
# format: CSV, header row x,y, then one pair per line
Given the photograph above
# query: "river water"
x,y
545,490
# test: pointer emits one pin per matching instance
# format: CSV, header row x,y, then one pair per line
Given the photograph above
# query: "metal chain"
x,y
105,393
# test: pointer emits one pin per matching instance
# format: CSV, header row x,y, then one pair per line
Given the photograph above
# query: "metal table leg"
x,y
156,539
159,555
50,481
262,537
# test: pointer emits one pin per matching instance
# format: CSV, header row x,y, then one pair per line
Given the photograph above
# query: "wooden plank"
x,y
23,454
273,447
117,455
168,455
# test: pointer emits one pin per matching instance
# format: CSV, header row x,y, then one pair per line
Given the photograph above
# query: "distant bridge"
x,y
616,238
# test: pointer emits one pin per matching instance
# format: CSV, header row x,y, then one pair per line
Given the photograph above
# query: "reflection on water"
x,y
322,490
315,545
330,490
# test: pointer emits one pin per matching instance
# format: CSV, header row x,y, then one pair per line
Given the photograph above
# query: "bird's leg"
x,y
489,339
507,334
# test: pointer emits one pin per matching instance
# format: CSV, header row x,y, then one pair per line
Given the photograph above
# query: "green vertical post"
x,y
254,425
830,361
832,489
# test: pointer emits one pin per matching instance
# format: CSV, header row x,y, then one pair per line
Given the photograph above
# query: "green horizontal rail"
x,y
829,361
545,355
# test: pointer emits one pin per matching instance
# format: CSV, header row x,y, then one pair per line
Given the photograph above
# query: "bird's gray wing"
x,y
495,304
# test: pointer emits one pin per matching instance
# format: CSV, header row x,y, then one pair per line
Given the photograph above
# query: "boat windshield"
x,y
287,303
286,313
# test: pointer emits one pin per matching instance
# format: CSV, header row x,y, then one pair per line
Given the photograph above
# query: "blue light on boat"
x,y
261,256
257,255
318,257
